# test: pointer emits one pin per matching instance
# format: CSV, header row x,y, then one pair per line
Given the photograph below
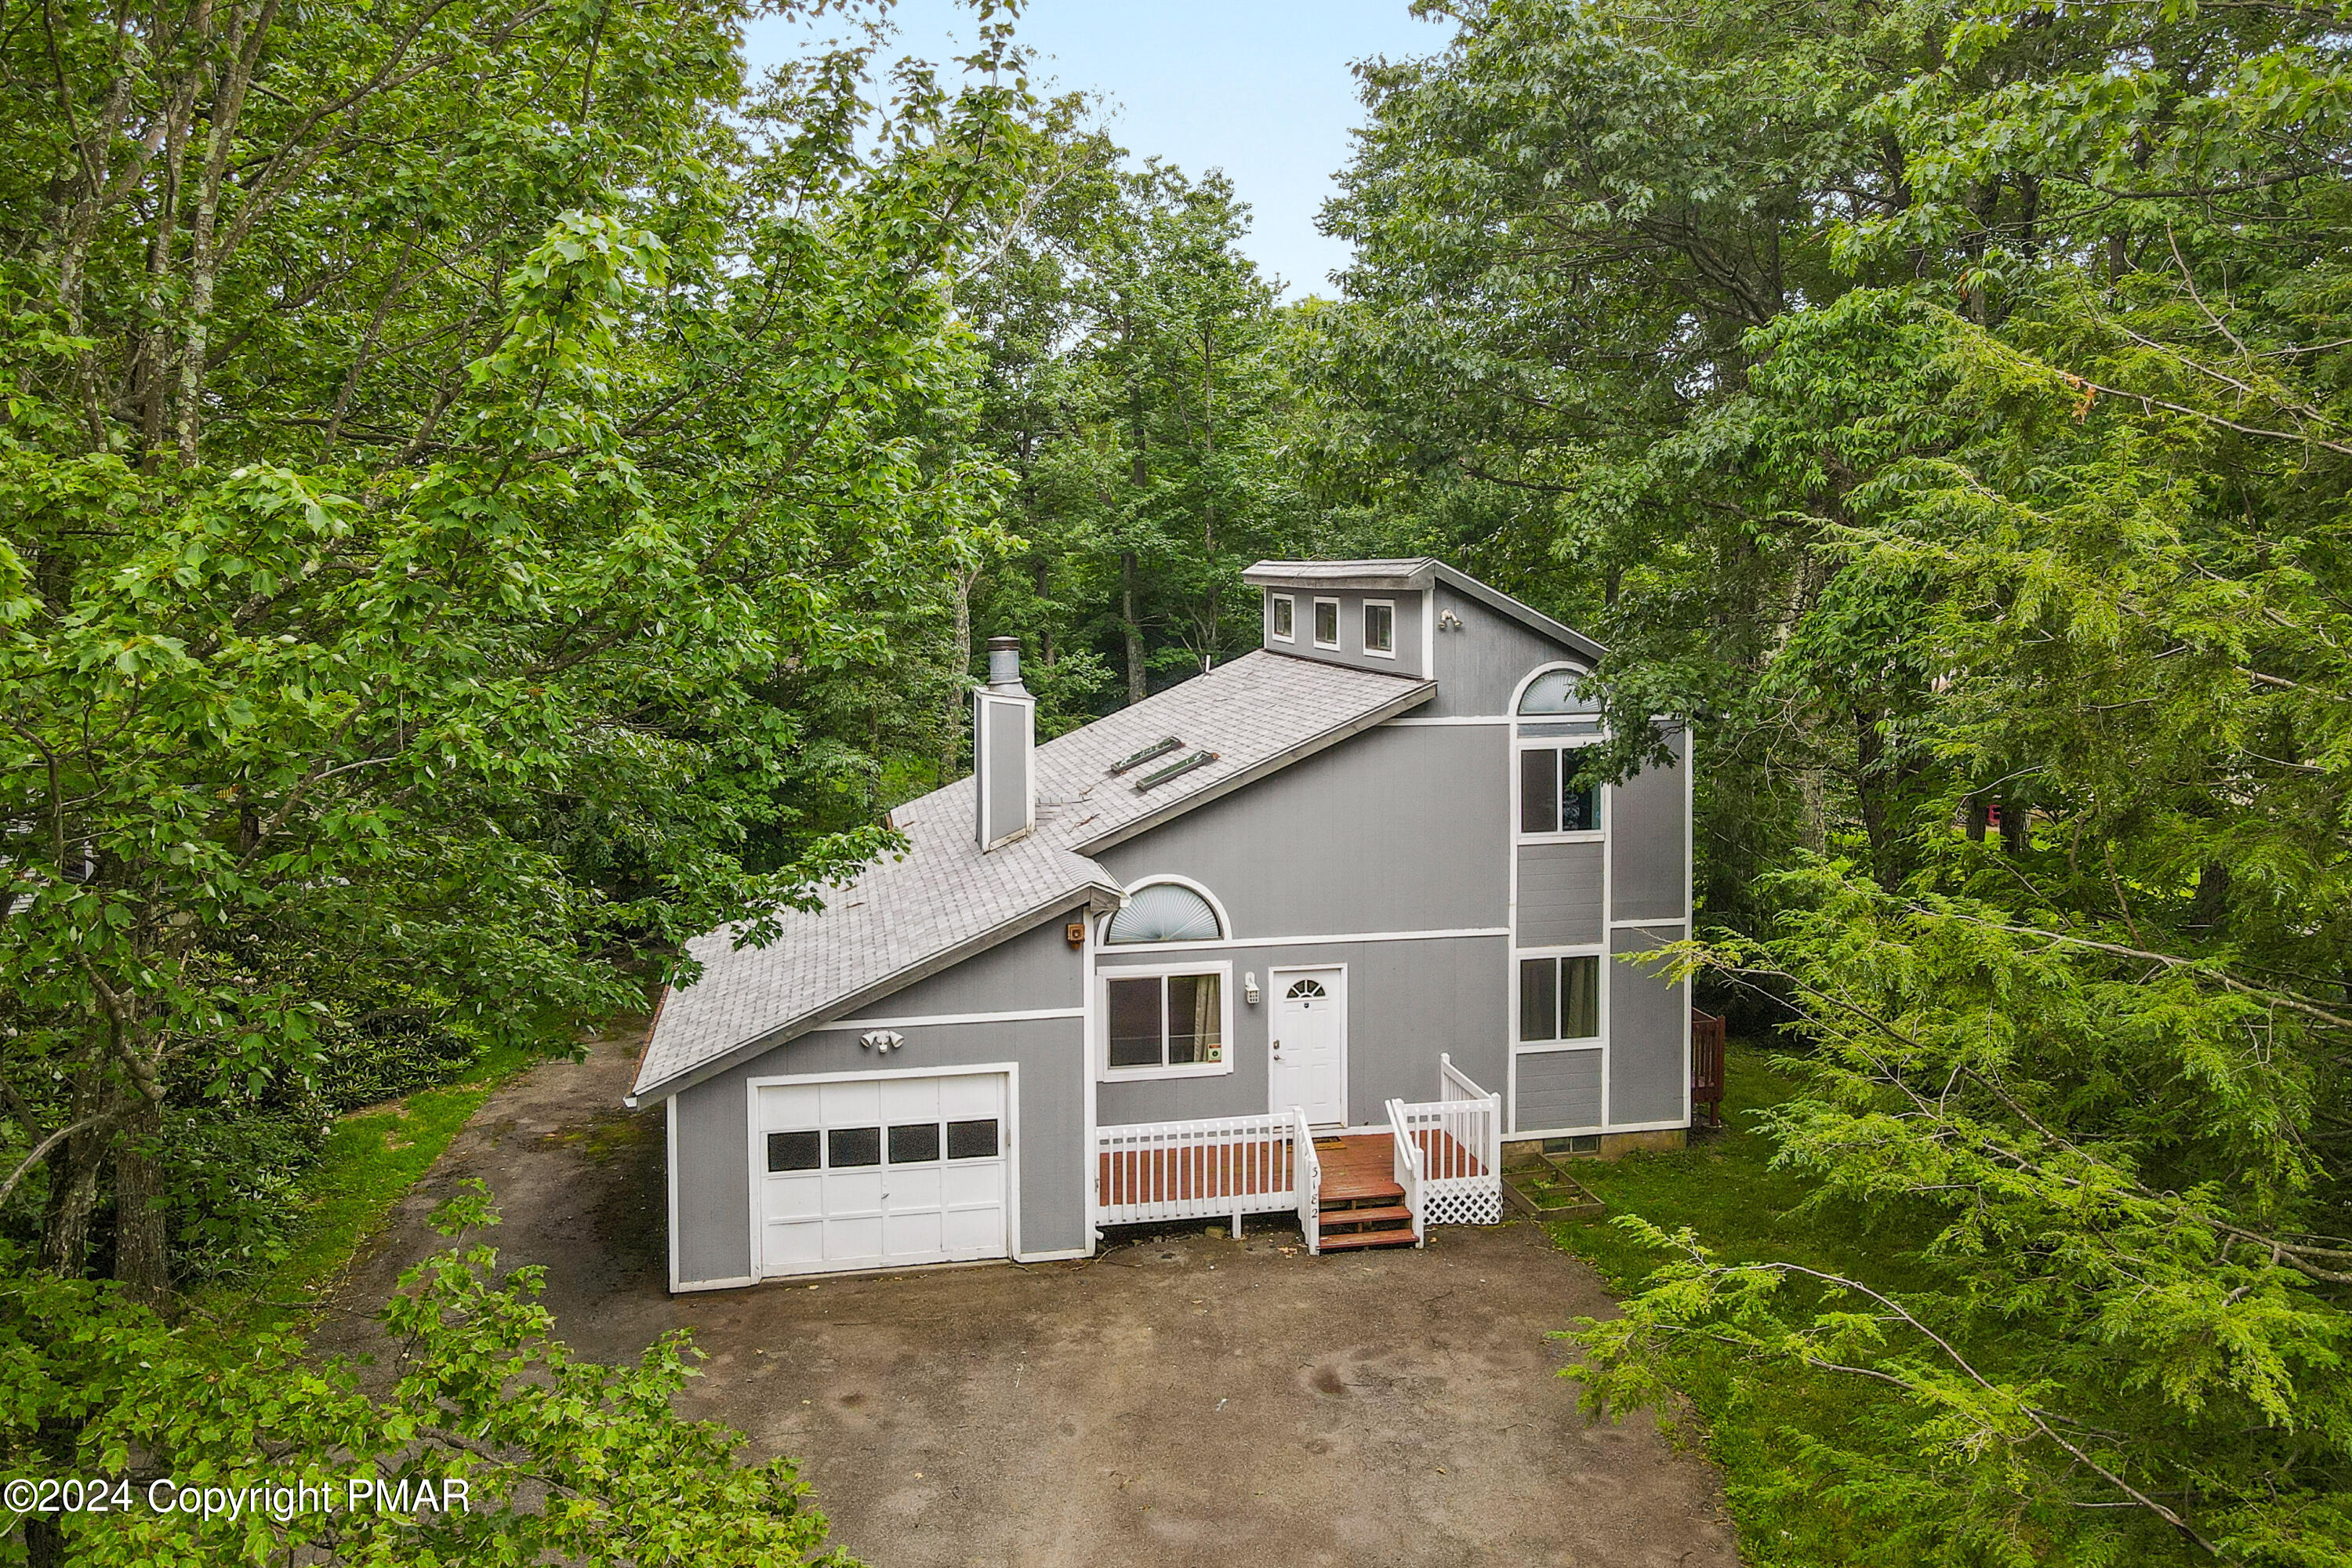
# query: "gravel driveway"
x,y
1185,1399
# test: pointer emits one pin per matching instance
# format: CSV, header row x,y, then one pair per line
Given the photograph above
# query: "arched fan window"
x,y
1554,691
1305,990
1164,912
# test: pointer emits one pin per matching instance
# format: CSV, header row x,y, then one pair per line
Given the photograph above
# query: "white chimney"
x,y
1004,734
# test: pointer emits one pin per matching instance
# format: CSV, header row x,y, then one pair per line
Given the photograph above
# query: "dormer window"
x,y
1326,623
1282,625
1380,628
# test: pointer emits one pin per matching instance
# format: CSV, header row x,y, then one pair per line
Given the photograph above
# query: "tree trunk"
x,y
959,680
1979,817
1870,783
1134,630
2014,815
141,1248
73,1186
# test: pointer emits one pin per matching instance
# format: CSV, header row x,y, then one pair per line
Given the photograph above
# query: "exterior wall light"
x,y
881,1042
1249,987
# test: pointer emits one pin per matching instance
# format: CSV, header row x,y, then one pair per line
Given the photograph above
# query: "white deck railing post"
x,y
1308,1169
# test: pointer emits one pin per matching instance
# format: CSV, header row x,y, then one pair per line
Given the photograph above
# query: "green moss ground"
x,y
371,1158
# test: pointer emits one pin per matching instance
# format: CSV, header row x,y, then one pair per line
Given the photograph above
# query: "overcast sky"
x,y
1260,89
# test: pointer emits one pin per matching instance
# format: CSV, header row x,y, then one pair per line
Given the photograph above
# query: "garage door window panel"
x,y
850,1148
915,1144
973,1140
795,1151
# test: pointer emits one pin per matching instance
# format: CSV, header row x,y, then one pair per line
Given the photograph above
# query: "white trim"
x,y
1272,634
669,1117
1553,1048
1273,1000
1059,1255
1216,908
929,1020
1471,718
1315,632
1246,941
1637,925
755,1165
1226,1046
1364,644
1429,631
1598,1129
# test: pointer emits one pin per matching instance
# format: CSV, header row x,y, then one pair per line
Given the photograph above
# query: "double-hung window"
x,y
1284,618
1379,627
1166,1021
1326,623
1559,999
1551,798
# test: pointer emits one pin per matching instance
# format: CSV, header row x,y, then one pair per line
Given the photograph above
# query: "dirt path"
x,y
1189,1400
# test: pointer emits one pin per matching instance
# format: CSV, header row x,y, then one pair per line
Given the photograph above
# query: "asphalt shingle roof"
x,y
903,918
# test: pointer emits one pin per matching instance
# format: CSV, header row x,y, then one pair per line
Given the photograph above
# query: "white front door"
x,y
872,1173
1310,1050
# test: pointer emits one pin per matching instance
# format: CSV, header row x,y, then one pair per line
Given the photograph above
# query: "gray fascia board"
x,y
1280,574
1101,898
1495,599
1420,692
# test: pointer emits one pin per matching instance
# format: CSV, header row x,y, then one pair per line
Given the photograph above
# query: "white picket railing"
x,y
1406,1167
1459,1137
1310,1181
1222,1167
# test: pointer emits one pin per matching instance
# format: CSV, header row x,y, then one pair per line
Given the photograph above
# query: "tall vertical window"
x,y
1166,1021
1326,623
1379,627
1559,999
1551,800
1286,616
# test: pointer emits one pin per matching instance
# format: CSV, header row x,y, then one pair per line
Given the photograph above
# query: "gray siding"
x,y
1036,969
1032,971
1558,1092
1649,1063
1480,666
1397,829
1350,651
1649,877
1407,1001
1559,894
715,1155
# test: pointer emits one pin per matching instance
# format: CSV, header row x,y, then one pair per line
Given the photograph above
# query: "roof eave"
x,y
1101,896
1419,692
1301,574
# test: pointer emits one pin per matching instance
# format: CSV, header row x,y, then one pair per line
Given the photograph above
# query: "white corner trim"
x,y
931,1020
670,1173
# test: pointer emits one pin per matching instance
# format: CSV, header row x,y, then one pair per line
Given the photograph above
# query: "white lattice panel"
x,y
1481,1204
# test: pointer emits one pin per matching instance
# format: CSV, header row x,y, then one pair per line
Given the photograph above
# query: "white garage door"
x,y
877,1172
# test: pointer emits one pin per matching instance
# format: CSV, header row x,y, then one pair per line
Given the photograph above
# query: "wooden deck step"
x,y
1385,1216
1351,1239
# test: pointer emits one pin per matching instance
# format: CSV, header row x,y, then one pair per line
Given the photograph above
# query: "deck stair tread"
x,y
1350,1239
1386,1215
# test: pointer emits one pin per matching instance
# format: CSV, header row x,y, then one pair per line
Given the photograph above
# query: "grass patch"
x,y
1755,1421
370,1159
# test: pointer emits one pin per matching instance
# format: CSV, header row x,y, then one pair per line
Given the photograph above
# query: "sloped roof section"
x,y
944,901
1413,575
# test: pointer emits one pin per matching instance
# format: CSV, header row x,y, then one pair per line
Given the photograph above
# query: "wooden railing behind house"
x,y
1707,1066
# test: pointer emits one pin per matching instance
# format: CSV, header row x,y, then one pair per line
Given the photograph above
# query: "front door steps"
x,y
1358,1203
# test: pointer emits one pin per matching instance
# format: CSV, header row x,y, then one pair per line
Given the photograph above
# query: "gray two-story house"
x,y
1313,932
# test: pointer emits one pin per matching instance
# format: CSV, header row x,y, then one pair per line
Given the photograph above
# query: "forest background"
x,y
488,491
